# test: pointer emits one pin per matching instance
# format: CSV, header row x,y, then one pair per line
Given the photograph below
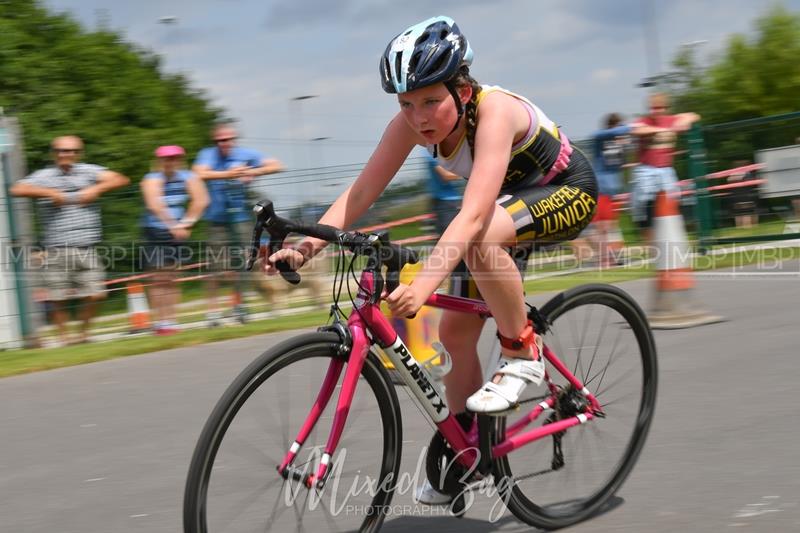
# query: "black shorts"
x,y
543,214
649,215
160,250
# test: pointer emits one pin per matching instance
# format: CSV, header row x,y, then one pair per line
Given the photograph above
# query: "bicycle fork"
x,y
356,360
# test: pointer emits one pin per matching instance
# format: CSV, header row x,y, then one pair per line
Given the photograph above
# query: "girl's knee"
x,y
457,334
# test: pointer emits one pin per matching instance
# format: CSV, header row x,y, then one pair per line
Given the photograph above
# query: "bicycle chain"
x,y
558,456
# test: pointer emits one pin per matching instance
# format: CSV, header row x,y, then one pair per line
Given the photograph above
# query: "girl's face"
x,y
431,111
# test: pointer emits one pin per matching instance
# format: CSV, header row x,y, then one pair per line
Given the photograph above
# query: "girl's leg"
x,y
500,283
459,333
498,278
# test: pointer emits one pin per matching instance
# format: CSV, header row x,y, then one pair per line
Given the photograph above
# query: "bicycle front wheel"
x,y
233,483
603,338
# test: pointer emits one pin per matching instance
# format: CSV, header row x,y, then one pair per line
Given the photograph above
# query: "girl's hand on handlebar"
x,y
404,301
294,258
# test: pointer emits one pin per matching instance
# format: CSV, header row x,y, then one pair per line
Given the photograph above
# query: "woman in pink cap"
x,y
167,226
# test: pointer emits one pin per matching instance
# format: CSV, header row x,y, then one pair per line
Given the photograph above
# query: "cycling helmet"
x,y
430,52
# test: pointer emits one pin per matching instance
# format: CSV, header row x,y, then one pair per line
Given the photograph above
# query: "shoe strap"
x,y
503,389
525,369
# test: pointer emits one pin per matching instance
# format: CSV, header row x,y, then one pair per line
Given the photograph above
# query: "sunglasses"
x,y
67,150
226,139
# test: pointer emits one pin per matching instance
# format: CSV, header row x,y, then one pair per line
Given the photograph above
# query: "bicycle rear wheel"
x,y
233,483
603,337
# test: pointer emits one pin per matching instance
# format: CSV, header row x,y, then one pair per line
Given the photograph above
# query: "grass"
x,y
31,360
22,361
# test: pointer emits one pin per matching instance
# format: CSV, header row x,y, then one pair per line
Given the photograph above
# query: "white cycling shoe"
x,y
516,374
430,496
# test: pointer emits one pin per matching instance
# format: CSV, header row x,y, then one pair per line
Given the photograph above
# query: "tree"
x,y
59,79
755,77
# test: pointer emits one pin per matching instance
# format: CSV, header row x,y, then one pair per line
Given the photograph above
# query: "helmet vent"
x,y
398,61
414,61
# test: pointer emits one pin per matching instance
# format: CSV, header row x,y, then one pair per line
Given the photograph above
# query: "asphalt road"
x,y
105,447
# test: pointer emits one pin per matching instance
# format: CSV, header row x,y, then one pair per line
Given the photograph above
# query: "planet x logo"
x,y
420,377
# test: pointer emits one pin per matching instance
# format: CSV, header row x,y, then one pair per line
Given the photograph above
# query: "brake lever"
x,y
255,245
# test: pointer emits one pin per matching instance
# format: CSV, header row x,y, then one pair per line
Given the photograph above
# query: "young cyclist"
x,y
525,185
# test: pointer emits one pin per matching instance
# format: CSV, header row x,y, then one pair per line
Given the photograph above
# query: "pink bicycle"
x,y
556,459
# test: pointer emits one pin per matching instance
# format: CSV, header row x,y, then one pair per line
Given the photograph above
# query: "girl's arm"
x,y
497,126
397,142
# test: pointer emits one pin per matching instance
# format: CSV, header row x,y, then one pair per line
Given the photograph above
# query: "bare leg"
x,y
498,279
60,318
212,288
161,295
459,333
156,294
171,298
87,313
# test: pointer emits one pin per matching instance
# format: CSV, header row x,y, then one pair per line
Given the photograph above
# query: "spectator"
x,y
445,195
228,169
70,217
445,203
167,225
657,133
610,146
743,200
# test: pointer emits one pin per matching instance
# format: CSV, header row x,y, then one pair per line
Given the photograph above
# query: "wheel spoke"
x,y
598,343
234,495
616,381
603,324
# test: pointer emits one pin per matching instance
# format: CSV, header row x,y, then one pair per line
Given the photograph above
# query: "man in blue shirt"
x,y
445,193
228,169
611,146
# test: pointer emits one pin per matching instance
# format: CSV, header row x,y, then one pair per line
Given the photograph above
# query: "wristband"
x,y
188,221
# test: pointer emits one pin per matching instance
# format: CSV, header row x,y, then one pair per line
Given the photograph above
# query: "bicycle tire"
x,y
313,345
564,513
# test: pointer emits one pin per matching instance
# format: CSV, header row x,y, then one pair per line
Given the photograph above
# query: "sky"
x,y
576,59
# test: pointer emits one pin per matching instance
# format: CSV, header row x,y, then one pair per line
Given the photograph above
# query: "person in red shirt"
x,y
657,133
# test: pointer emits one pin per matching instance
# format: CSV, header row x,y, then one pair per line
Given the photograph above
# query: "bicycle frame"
x,y
367,317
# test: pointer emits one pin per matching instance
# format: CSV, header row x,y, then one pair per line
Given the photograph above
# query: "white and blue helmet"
x,y
430,52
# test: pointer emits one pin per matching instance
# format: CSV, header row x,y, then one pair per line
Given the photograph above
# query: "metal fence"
x,y
709,163
766,153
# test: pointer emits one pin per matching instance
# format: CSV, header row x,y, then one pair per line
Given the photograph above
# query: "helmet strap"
x,y
459,107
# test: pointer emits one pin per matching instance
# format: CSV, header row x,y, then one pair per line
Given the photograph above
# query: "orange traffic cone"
x,y
673,306
138,310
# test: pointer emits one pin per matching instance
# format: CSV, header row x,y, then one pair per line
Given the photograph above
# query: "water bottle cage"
x,y
444,365
524,340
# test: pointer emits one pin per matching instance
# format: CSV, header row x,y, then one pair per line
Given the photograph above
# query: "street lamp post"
x,y
660,79
320,152
296,115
